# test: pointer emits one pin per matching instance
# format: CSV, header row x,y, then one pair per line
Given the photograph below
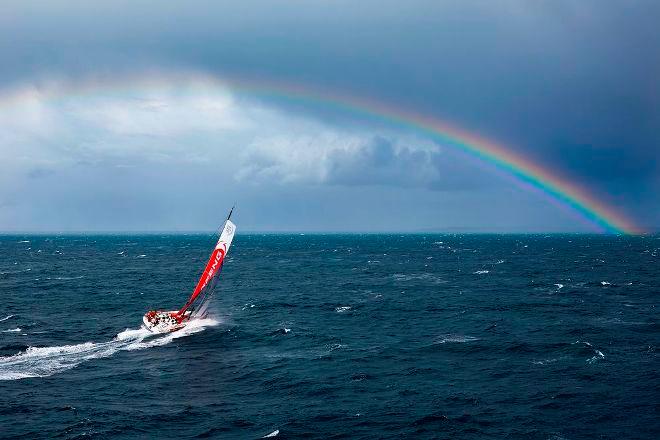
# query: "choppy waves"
x,y
360,336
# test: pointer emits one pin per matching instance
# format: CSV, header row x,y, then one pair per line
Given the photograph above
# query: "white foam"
x,y
272,434
425,276
46,361
481,272
342,309
6,318
131,333
559,286
333,347
599,355
66,278
141,256
583,342
451,338
605,283
12,330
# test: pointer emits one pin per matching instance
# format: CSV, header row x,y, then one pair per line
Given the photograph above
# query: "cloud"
x,y
39,173
355,160
332,158
110,153
548,79
57,125
383,161
164,153
195,122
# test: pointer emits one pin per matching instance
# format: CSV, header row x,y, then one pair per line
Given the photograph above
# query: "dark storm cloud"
x,y
379,163
382,162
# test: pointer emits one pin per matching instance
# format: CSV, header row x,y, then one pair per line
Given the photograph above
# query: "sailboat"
x,y
159,321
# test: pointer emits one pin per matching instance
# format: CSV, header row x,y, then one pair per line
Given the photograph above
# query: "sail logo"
x,y
219,256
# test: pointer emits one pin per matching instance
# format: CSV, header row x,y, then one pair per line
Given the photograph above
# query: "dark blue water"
x,y
333,336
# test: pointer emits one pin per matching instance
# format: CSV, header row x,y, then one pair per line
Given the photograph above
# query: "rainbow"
x,y
525,172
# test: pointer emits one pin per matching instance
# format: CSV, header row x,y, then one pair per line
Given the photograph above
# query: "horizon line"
x,y
475,231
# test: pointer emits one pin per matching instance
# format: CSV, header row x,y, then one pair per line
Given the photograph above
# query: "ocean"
x,y
333,336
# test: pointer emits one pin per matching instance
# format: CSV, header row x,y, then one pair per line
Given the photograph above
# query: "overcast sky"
x,y
570,85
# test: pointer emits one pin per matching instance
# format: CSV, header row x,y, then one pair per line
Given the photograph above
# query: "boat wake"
x,y
46,361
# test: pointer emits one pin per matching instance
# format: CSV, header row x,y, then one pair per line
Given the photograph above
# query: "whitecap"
x,y
425,276
559,285
583,342
452,338
6,318
12,330
342,309
481,272
599,355
272,434
66,278
141,256
605,283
